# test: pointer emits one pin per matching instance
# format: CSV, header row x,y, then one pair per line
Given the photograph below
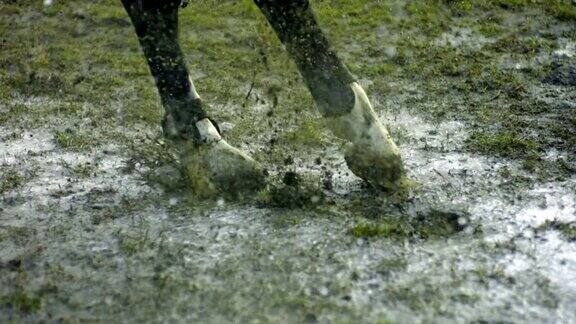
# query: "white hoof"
x,y
216,165
371,155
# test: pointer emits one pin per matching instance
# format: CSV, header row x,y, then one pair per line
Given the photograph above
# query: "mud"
x,y
94,228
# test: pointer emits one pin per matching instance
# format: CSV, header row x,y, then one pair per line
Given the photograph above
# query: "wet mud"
x,y
96,224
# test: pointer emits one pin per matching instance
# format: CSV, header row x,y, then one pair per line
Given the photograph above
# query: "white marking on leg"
x,y
207,131
195,94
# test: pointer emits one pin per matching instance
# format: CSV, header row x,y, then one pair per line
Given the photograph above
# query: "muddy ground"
x,y
480,96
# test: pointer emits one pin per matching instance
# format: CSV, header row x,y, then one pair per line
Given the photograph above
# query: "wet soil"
x,y
481,101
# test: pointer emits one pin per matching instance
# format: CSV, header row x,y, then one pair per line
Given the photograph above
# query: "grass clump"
x,y
308,134
433,223
564,11
10,180
490,28
511,4
568,230
80,170
21,301
428,15
504,144
529,46
71,140
389,229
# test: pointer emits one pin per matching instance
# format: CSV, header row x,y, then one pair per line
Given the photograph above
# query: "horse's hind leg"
x,y
372,155
156,24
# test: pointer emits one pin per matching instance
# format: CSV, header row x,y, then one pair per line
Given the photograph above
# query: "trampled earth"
x,y
480,96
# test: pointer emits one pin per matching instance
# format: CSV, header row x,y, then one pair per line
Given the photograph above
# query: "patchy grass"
x,y
74,140
393,229
10,179
502,144
529,46
79,170
431,224
563,10
83,60
21,301
107,69
568,230
309,133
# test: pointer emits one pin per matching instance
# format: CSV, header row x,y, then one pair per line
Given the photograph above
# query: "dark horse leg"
x,y
156,24
371,154
215,165
325,75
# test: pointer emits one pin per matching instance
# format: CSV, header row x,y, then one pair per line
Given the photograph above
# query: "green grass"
x,y
74,140
79,170
21,301
563,10
370,230
568,230
431,224
10,179
307,134
529,46
512,4
94,70
502,144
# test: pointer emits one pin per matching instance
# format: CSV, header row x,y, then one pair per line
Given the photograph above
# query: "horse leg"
x,y
208,160
324,74
371,155
156,24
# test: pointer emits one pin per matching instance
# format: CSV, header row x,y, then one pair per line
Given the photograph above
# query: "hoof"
x,y
216,166
379,170
372,154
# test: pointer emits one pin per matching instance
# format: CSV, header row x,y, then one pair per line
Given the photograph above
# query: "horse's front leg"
x,y
209,161
371,155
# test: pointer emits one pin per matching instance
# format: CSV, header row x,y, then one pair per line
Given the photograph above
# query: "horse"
x,y
371,154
